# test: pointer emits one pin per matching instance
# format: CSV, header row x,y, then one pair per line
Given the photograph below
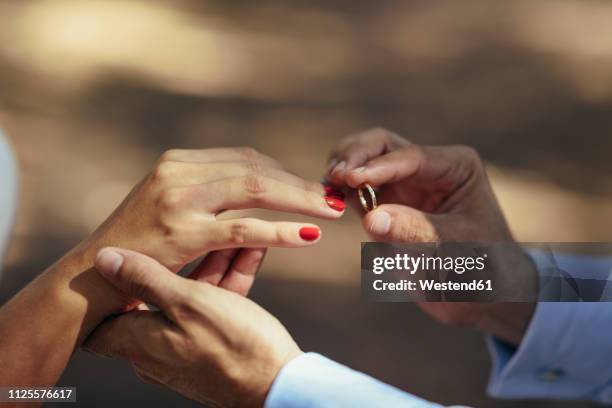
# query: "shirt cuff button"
x,y
551,375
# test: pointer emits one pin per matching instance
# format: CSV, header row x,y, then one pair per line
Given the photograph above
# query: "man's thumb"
x,y
398,223
138,276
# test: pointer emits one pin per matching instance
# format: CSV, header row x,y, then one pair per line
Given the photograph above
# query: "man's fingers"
x,y
214,266
241,275
398,223
357,150
256,233
388,168
139,276
446,165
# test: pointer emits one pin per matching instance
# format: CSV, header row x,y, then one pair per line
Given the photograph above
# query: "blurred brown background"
x,y
91,92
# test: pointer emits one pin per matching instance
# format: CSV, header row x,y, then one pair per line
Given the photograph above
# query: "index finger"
x,y
449,166
353,152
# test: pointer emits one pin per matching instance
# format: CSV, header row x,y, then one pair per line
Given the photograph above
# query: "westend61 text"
x,y
432,285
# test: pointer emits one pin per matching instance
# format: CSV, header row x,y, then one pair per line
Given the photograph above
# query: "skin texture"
x,y
205,342
434,194
208,347
170,215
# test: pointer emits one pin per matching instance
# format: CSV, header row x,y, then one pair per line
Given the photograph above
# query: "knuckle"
x,y
233,373
171,230
415,229
175,343
381,133
419,154
248,153
163,171
170,199
253,167
238,233
191,305
170,155
407,231
388,137
255,186
282,236
469,153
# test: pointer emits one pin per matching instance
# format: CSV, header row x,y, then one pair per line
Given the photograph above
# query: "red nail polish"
x,y
332,192
335,203
310,233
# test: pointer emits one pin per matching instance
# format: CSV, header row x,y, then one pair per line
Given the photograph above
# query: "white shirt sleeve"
x,y
313,381
8,193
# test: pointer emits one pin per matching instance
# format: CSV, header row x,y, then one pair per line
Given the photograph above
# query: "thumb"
x,y
139,276
399,223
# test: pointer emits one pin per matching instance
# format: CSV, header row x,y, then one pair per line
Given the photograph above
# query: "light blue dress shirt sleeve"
x,y
312,380
566,352
8,194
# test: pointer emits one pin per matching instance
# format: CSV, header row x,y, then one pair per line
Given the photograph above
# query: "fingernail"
x,y
359,169
341,166
381,223
332,164
332,192
336,203
108,262
310,233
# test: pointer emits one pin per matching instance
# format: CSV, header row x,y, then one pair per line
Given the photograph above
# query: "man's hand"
x,y
433,194
205,342
429,193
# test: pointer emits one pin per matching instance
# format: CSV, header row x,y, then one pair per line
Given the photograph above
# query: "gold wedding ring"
x,y
364,202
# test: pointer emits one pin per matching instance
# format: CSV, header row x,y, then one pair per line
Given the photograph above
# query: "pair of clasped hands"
x,y
206,339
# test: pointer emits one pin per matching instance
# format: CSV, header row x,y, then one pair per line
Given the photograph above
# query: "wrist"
x,y
517,275
507,321
261,397
75,277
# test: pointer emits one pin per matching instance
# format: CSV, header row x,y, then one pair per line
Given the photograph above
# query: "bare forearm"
x,y
44,323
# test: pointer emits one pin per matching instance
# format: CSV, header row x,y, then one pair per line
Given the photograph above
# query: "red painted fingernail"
x,y
335,203
332,192
310,233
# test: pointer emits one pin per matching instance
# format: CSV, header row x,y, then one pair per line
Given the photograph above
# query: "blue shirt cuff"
x,y
311,380
564,352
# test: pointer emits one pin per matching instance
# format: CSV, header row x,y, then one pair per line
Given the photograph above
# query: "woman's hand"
x,y
172,216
